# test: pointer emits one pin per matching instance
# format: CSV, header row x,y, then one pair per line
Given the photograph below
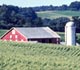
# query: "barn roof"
x,y
38,32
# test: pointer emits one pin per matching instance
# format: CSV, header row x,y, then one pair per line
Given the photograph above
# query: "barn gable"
x,y
13,35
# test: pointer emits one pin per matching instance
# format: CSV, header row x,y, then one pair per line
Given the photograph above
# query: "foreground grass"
x,y
26,56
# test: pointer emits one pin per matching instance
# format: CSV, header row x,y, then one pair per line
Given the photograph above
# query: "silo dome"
x,y
70,24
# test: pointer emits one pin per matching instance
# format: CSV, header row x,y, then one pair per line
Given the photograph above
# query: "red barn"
x,y
33,34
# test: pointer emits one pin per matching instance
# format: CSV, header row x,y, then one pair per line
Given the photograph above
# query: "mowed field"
x,y
57,14
28,56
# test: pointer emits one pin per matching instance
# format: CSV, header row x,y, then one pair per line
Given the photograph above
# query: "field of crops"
x,y
57,14
28,56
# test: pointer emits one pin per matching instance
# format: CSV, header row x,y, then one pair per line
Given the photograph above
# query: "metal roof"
x,y
38,32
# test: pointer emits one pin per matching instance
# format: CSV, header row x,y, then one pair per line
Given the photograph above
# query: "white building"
x,y
70,34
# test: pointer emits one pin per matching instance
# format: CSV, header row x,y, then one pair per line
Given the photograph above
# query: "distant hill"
x,y
57,14
27,56
57,19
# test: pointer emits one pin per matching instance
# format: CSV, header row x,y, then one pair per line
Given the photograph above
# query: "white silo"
x,y
70,33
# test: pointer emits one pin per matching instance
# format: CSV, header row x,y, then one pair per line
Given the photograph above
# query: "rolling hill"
x,y
28,56
57,14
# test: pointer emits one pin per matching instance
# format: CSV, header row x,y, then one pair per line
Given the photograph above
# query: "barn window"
x,y
22,40
13,31
16,36
10,36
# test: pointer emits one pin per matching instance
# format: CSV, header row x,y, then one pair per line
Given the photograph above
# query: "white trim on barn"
x,y
13,31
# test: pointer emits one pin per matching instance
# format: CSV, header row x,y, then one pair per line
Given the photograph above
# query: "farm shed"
x,y
32,34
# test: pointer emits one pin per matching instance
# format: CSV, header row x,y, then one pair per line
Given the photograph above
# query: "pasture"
x,y
2,31
57,14
28,56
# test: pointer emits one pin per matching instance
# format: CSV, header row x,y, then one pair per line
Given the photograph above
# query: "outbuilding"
x,y
32,34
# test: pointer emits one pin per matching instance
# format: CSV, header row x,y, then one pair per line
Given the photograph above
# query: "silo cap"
x,y
70,24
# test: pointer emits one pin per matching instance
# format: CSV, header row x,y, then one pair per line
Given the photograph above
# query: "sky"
x,y
33,3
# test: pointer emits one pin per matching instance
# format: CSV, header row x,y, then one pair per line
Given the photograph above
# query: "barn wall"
x,y
47,40
15,36
56,40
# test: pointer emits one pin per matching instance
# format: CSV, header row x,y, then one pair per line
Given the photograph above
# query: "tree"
x,y
46,22
59,23
75,5
37,22
76,19
11,16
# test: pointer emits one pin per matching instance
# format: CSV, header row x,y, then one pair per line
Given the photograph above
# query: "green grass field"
x,y
57,14
2,32
62,34
28,56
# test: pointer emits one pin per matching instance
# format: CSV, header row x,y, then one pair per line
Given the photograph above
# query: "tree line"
x,y
74,6
13,16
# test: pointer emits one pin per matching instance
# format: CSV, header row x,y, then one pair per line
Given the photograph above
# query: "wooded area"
x,y
13,16
74,6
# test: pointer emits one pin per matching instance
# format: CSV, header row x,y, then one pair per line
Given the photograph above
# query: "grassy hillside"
x,y
2,32
25,56
57,14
